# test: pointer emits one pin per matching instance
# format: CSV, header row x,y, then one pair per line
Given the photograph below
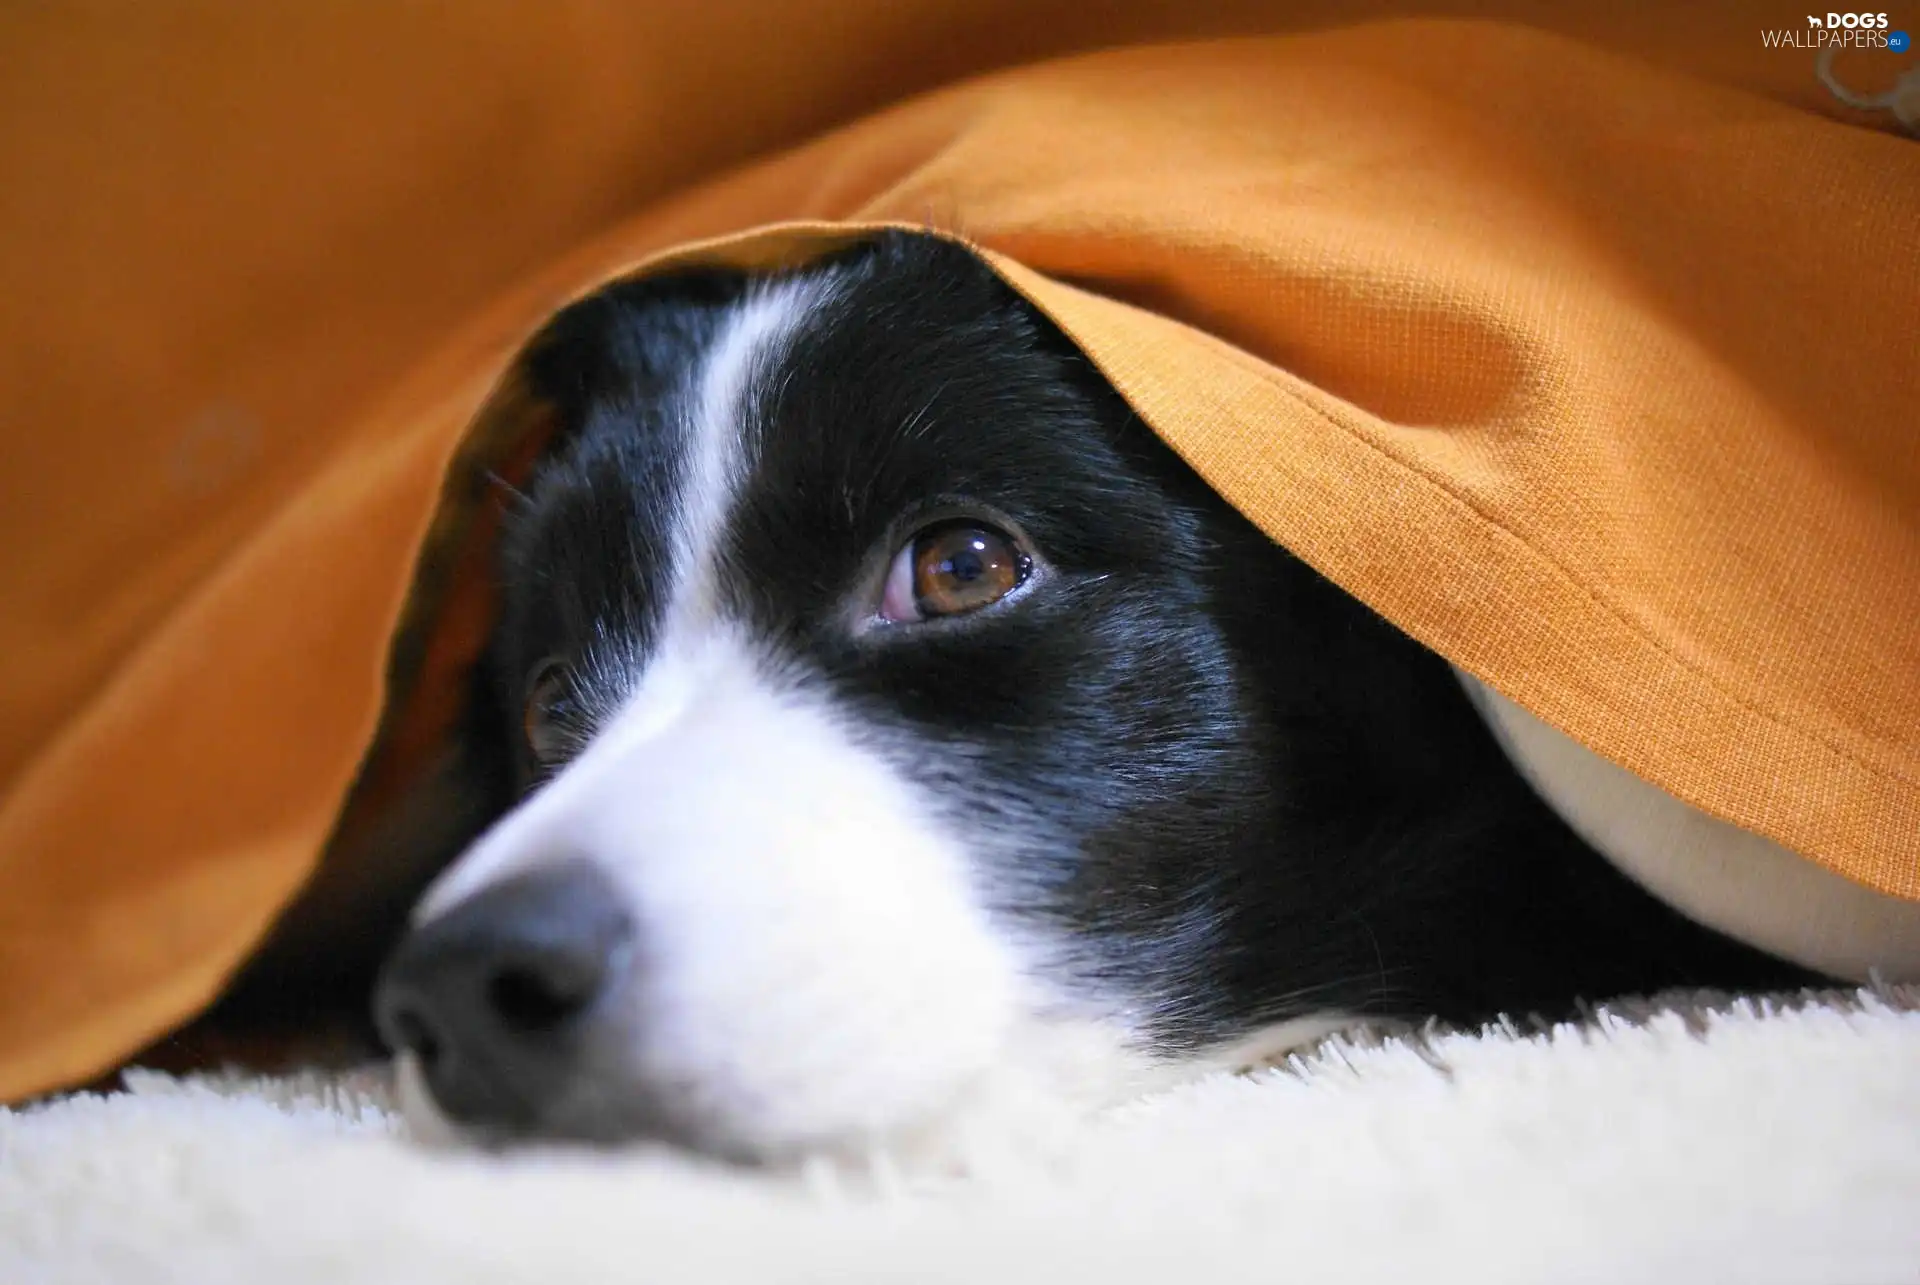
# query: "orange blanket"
x,y
1583,343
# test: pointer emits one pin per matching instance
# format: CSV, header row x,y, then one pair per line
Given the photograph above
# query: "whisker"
x,y
507,488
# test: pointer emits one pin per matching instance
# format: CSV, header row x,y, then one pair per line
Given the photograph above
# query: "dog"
x,y
878,707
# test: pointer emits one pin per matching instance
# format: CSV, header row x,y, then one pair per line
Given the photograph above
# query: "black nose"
x,y
490,996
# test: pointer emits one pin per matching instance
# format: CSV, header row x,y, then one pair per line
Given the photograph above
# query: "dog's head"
x,y
864,663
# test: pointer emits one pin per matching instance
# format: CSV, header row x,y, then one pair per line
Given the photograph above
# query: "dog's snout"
x,y
488,995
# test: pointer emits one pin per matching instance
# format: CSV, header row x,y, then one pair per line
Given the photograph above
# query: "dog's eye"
x,y
547,710
951,569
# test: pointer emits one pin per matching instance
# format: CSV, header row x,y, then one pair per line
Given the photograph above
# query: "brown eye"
x,y
547,711
952,569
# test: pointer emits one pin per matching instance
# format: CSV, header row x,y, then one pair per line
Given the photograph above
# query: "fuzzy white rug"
x,y
1694,1143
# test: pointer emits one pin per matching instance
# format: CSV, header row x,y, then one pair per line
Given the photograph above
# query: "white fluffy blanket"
x,y
1696,1142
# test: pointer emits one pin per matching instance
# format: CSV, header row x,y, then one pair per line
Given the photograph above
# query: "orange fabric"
x,y
1586,357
